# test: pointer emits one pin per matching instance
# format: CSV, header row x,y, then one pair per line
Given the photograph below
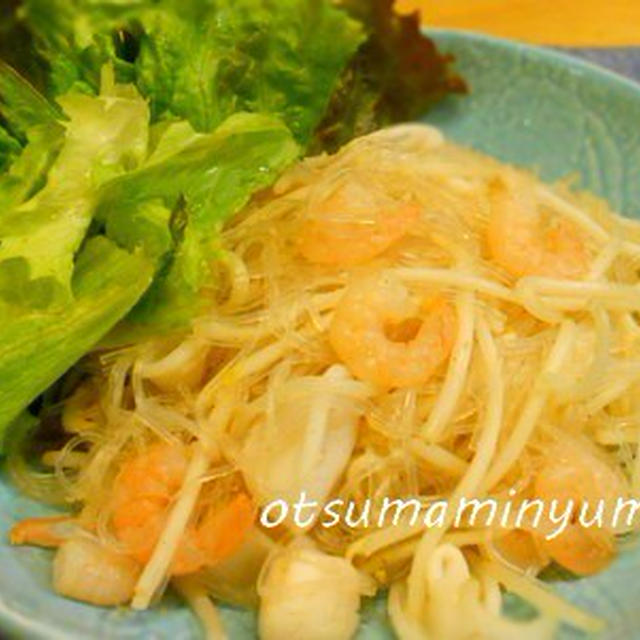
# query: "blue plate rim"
x,y
545,52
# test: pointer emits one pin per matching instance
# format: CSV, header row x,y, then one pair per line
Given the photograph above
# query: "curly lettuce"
x,y
40,236
395,76
108,216
203,60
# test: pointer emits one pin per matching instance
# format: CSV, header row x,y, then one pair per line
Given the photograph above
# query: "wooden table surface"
x,y
590,23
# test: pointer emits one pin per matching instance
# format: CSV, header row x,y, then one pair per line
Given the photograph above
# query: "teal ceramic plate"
x,y
527,106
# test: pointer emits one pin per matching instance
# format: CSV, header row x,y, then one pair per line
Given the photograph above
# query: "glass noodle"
x,y
536,362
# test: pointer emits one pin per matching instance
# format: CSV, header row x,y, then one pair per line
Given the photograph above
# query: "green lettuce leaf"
x,y
26,170
10,148
75,38
204,182
25,116
60,290
105,135
203,60
37,347
329,77
101,206
145,225
21,106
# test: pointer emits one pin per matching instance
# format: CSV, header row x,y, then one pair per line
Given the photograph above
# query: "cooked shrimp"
x,y
386,337
222,532
86,570
577,474
48,531
143,492
354,224
520,549
584,551
521,242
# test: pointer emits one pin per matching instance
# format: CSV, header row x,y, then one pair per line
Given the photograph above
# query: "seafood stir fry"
x,y
404,320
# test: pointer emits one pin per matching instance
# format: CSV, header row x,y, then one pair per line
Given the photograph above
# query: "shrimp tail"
x,y
48,532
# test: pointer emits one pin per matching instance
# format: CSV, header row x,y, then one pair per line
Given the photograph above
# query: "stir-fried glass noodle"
x,y
406,319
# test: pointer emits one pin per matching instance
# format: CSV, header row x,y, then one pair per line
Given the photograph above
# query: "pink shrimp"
x,y
575,473
47,531
143,492
521,549
354,224
519,241
83,568
387,338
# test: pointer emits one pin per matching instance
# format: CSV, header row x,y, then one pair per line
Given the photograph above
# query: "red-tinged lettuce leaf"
x,y
395,76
